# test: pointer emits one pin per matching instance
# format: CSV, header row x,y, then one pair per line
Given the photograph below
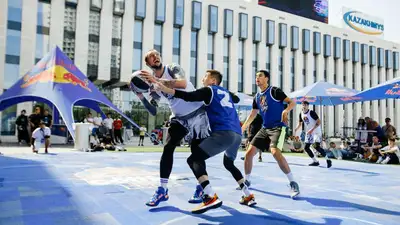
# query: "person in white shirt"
x,y
312,125
41,135
108,123
391,153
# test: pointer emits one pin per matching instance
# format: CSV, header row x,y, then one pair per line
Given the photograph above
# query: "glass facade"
x,y
317,43
228,22
372,55
396,60
240,66
176,51
356,51
196,15
364,54
69,31
193,57
243,25
158,31
306,41
388,59
294,40
210,51
212,19
327,45
346,50
257,29
255,67
270,32
179,11
42,30
160,11
282,35
94,38
381,59
137,45
140,9
225,78
116,47
337,45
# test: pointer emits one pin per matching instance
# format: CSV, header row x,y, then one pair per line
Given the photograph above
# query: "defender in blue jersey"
x,y
226,135
270,104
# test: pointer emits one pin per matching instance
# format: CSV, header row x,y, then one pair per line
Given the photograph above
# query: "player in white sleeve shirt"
x,y
312,125
41,135
187,118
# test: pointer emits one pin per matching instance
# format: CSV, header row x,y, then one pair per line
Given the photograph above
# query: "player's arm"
x,y
299,123
279,95
234,97
251,117
200,95
314,115
178,74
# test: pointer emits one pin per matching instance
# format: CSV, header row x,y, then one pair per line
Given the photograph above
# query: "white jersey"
x,y
309,120
396,148
40,133
178,106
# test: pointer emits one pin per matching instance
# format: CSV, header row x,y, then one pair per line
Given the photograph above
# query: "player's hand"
x,y
243,129
285,117
148,76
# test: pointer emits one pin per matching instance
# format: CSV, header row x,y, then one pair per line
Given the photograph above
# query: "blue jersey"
x,y
270,108
221,112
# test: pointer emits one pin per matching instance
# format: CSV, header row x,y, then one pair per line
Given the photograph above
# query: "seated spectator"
x,y
296,145
391,153
336,152
372,152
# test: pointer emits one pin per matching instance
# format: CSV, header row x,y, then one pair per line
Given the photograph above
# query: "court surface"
x,y
111,188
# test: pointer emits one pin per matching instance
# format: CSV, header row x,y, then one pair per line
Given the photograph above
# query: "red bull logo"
x,y
395,90
338,91
306,98
346,99
55,74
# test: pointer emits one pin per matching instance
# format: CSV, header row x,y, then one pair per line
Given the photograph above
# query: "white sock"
x,y
315,159
208,190
247,176
290,177
164,183
245,190
326,157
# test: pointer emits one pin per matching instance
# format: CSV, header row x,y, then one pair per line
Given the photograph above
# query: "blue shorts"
x,y
220,141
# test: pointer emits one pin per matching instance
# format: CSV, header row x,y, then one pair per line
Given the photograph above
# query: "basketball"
x,y
138,83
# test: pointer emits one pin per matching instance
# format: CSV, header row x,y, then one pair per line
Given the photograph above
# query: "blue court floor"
x,y
111,188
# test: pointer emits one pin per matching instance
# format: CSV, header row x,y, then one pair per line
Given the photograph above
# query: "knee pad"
x,y
228,163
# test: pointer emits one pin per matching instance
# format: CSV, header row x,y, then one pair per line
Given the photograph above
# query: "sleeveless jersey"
x,y
221,112
309,122
270,109
178,106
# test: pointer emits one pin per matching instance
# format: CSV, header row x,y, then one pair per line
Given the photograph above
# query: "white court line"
x,y
40,180
170,222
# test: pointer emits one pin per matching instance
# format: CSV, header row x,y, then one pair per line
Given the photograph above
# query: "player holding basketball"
x,y
314,133
226,135
270,104
187,117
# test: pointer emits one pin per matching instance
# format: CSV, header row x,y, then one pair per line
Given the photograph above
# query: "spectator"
x,y
97,122
389,129
108,123
297,146
337,153
47,118
40,135
372,153
391,153
35,118
379,132
142,132
22,125
117,130
89,119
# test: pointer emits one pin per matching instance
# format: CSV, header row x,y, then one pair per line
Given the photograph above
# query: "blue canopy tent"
x,y
56,81
389,89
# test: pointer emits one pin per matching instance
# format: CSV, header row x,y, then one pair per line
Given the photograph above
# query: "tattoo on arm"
x,y
169,83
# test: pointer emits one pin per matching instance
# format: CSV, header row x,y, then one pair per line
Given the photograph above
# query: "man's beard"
x,y
157,67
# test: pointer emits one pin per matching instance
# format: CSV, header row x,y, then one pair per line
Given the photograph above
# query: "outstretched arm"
x,y
175,71
201,95
234,97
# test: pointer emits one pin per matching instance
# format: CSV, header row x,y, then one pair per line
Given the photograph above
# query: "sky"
x,y
388,10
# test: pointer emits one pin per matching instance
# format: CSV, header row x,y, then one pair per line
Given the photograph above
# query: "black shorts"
x,y
266,138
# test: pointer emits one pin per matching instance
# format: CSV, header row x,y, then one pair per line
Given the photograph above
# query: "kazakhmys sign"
x,y
363,23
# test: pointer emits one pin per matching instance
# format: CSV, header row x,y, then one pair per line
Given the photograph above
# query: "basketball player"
x,y
270,104
187,117
226,135
314,133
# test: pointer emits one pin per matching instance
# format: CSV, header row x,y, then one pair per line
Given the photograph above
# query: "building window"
x,y
69,31
396,60
268,59
294,38
140,9
94,37
243,26
176,57
160,11
364,54
158,31
389,61
94,4
257,27
212,19
137,45
327,45
196,15
270,32
317,43
210,51
240,65
282,35
346,50
226,51
280,64
380,57
255,67
42,30
116,47
337,47
228,23
306,40
356,51
193,57
119,7
292,69
179,11
372,55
